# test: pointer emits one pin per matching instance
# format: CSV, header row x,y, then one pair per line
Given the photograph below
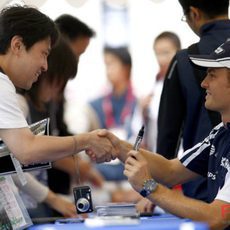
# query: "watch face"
x,y
150,185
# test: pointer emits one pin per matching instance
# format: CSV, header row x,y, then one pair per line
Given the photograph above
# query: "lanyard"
x,y
125,112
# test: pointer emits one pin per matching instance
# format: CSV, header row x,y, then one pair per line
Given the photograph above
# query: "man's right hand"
x,y
101,148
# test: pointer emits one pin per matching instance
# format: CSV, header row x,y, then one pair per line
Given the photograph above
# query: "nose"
x,y
204,83
45,65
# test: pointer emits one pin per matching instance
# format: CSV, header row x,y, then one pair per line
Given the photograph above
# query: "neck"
x,y
205,20
5,65
225,118
120,88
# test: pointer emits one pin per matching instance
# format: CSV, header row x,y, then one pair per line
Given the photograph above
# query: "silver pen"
x,y
139,138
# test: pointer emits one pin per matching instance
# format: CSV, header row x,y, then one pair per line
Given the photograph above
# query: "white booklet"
x,y
7,165
117,209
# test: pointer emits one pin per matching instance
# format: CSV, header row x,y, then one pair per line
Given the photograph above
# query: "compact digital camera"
x,y
83,200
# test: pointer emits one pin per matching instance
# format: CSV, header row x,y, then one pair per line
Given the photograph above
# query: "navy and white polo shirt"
x,y
211,158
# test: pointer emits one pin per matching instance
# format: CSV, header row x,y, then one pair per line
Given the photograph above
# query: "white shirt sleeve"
x,y
11,115
224,192
33,187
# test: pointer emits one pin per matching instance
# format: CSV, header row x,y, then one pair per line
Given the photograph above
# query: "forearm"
x,y
160,168
48,148
33,187
179,205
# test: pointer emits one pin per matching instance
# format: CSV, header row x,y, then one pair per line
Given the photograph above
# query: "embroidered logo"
x,y
225,163
212,176
219,50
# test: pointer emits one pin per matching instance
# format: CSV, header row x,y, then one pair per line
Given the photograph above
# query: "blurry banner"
x,y
13,214
115,24
6,163
3,3
157,1
37,3
76,3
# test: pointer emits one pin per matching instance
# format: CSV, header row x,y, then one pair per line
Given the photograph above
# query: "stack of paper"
x,y
117,209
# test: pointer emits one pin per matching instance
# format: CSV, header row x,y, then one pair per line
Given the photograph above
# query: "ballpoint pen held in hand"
x,y
139,138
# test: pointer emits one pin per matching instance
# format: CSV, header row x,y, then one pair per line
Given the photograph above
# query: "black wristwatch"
x,y
149,186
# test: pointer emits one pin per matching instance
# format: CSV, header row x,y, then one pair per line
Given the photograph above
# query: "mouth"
x,y
37,75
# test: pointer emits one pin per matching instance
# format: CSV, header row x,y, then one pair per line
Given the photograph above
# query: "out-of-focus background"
x,y
134,23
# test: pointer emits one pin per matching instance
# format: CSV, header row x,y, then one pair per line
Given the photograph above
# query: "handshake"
x,y
102,146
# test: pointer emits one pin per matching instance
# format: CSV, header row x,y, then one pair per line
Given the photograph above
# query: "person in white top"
x,y
26,38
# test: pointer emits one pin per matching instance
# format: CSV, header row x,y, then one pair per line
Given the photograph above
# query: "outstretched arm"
x,y
29,148
168,172
137,171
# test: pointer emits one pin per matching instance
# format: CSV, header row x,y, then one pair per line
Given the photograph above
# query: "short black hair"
x,y
170,36
122,53
211,8
72,28
26,22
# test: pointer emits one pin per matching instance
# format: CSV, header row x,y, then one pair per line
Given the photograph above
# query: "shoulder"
x,y
23,104
6,84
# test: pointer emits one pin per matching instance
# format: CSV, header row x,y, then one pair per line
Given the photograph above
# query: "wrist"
x,y
124,148
148,187
81,142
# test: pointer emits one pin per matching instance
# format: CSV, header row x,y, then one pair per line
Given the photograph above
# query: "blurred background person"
x,y
166,44
114,109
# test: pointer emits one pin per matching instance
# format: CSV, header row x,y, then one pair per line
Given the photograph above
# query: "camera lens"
x,y
83,205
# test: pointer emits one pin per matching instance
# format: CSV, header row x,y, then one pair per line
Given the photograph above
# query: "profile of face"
x,y
164,50
217,85
79,45
116,71
29,64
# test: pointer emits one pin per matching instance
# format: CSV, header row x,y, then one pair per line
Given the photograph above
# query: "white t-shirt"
x,y
10,114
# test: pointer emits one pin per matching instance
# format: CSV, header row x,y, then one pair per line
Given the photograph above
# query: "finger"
x,y
112,138
127,173
132,153
128,167
131,161
137,155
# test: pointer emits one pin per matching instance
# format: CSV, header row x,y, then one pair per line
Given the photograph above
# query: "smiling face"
x,y
217,85
26,65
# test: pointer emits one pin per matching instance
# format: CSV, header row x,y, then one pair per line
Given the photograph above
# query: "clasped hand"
x,y
103,146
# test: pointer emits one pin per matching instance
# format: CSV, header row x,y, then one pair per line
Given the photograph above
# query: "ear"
x,y
195,13
16,44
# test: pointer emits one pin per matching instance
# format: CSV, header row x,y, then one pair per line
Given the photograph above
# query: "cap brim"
x,y
205,61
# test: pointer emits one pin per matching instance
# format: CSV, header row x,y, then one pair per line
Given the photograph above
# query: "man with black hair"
x,y
26,38
182,114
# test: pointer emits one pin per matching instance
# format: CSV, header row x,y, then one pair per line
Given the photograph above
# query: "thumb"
x,y
112,138
137,155
102,133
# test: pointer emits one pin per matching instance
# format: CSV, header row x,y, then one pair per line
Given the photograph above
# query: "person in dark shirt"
x,y
151,174
182,115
